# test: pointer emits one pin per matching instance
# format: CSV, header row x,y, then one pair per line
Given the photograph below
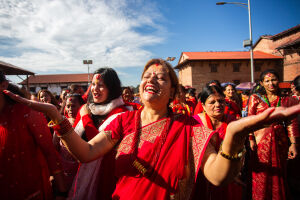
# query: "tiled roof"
x,y
224,55
58,78
288,31
290,43
228,55
10,69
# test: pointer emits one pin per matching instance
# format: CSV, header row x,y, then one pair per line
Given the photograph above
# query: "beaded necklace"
x,y
267,101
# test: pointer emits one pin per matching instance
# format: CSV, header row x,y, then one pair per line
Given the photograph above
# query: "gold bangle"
x,y
235,157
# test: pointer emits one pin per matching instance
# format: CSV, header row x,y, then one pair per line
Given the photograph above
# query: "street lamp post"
x,y
245,5
88,63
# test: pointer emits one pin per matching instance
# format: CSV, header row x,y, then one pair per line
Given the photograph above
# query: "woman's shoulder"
x,y
289,101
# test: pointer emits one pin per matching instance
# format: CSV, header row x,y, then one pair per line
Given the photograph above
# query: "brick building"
x,y
286,44
56,82
195,69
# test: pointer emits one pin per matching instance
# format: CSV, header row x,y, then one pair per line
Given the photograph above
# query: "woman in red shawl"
x,y
96,180
214,118
272,145
233,106
158,154
27,155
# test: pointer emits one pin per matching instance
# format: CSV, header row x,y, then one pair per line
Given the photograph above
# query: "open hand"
x,y
49,109
238,130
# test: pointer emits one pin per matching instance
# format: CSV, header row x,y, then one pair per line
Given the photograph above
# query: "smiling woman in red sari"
x,y
270,145
159,154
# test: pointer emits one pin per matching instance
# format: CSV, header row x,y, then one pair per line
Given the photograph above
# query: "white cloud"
x,y
58,35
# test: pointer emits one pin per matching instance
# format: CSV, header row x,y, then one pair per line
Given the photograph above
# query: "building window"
x,y
257,67
213,67
236,82
236,67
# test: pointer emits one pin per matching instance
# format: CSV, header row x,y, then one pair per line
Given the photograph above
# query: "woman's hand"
x,y
84,110
238,130
49,109
293,152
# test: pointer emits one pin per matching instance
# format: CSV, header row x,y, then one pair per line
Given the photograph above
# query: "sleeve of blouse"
x,y
293,125
115,128
37,125
89,127
252,105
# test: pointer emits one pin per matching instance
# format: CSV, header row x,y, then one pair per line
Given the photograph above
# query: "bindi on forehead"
x,y
98,76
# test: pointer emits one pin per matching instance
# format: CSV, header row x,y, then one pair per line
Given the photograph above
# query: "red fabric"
x,y
180,108
26,154
192,102
232,108
198,109
208,191
169,170
86,94
135,106
107,180
268,163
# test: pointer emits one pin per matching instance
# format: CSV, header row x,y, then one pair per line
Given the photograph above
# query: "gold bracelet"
x,y
235,157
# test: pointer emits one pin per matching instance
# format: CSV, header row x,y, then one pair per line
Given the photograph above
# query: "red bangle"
x,y
63,128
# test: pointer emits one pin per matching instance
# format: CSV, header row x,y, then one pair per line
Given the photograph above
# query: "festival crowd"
x,y
164,142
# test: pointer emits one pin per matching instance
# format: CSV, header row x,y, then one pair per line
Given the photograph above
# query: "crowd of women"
x,y
100,144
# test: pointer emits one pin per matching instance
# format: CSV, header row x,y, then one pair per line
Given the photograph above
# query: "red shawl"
x,y
26,154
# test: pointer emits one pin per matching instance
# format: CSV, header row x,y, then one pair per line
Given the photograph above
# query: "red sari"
x,y
268,163
232,108
170,148
26,154
208,191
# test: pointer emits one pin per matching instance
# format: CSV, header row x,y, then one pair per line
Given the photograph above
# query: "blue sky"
x,y
53,36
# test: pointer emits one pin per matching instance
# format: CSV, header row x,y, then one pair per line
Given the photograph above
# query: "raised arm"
x,y
82,150
220,170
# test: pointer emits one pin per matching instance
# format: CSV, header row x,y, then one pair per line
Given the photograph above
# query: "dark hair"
x,y
112,82
2,77
172,74
76,96
209,90
16,90
215,82
127,88
264,73
191,91
74,88
227,84
296,83
259,88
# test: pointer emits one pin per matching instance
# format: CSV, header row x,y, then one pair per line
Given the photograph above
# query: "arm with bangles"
x,y
293,134
82,150
221,168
